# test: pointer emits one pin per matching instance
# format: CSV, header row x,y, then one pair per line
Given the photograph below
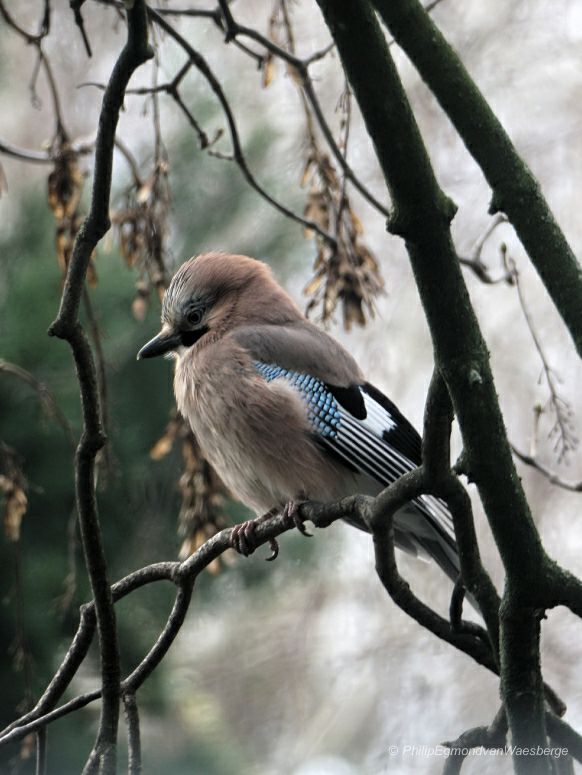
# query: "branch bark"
x,y
516,192
67,326
422,215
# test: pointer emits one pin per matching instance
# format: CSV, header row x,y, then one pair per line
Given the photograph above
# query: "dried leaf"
x,y
162,447
15,505
294,74
91,275
269,70
3,181
144,192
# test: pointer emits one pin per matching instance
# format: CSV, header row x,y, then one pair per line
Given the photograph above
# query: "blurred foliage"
x,y
138,496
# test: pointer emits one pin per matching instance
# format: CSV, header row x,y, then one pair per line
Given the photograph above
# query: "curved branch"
x,y
516,192
46,398
552,477
24,154
238,154
301,67
67,326
183,575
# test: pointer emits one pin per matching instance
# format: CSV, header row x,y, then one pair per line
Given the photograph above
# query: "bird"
x,y
281,409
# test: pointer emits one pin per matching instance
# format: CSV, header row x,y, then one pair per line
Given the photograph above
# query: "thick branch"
x,y
516,192
421,215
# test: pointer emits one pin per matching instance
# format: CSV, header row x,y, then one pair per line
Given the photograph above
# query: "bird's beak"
x,y
164,342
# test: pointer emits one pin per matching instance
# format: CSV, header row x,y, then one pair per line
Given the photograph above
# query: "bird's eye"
x,y
194,317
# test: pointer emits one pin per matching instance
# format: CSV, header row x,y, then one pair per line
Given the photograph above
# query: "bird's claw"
x,y
274,546
242,538
291,515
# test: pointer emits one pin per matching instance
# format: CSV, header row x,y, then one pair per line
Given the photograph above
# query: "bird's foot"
x,y
243,539
291,513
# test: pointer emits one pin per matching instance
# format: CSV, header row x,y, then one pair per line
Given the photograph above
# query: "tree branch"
x,y
46,398
547,472
67,326
421,215
133,734
516,192
491,738
238,154
301,67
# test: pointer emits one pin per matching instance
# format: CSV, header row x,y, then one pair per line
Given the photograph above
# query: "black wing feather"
x,y
403,436
349,398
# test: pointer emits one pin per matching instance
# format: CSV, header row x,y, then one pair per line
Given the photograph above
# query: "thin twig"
x,y
61,134
238,155
43,157
46,398
490,738
76,8
131,160
476,263
547,472
562,431
216,16
24,154
41,751
301,67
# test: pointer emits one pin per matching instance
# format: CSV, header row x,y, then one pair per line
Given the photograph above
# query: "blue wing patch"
x,y
323,410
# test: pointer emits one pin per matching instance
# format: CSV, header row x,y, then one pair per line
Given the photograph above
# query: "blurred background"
x,y
303,666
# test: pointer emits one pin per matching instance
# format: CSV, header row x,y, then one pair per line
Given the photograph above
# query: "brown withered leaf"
x,y
65,184
165,443
349,274
3,181
308,170
13,488
15,505
65,187
317,209
269,70
140,303
203,494
140,227
327,172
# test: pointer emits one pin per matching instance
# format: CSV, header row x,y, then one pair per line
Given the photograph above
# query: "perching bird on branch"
x,y
280,409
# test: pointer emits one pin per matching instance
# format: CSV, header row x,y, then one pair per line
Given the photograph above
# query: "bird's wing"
x,y
364,429
301,347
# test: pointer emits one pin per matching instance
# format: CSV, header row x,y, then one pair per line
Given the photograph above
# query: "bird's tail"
x,y
425,528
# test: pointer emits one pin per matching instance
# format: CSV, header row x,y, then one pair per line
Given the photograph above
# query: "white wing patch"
x,y
378,419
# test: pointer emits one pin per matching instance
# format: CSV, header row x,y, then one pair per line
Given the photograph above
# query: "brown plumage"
x,y
279,408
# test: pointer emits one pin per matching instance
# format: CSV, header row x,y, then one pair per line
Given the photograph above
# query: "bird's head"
x,y
214,293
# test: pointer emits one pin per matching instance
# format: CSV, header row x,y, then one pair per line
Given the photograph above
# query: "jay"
x,y
280,408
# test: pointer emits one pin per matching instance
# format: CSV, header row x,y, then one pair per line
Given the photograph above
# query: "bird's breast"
x,y
254,433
